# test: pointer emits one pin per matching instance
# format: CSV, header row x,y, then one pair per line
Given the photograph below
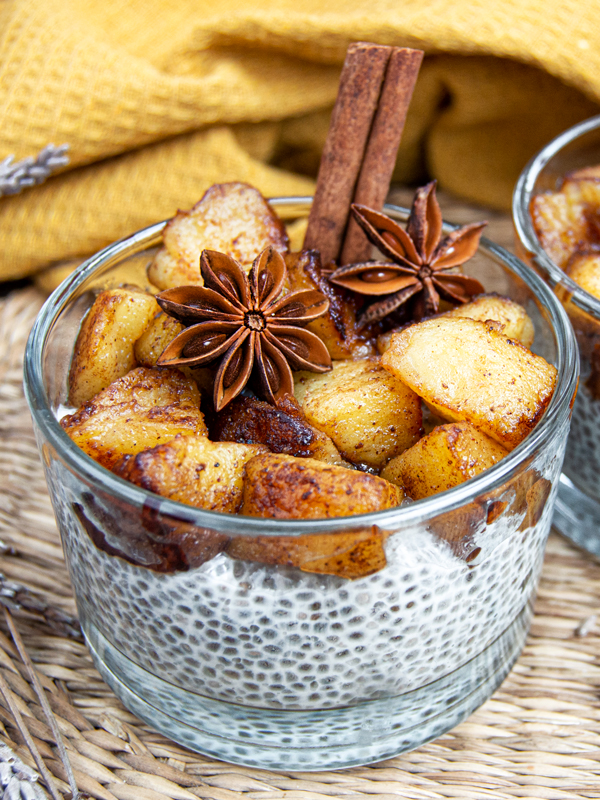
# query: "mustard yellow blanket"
x,y
157,99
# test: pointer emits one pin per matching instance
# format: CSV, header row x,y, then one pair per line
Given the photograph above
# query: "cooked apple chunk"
x,y
467,371
446,457
566,221
584,269
144,408
349,554
285,487
283,429
104,350
233,218
514,320
192,470
560,223
160,332
511,318
582,188
370,415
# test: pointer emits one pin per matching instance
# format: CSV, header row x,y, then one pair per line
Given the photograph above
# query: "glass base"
x,y
577,516
309,740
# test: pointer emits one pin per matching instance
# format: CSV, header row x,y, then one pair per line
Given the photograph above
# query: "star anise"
x,y
422,261
246,322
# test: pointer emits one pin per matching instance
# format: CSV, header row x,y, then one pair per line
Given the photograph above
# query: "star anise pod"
x,y
246,322
422,261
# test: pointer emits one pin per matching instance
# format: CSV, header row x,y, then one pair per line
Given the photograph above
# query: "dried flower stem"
x,y
17,779
44,771
15,176
17,597
35,681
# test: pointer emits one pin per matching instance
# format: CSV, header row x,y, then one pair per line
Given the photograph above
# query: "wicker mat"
x,y
538,737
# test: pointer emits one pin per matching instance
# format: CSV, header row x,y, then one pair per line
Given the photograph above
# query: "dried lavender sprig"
x,y
13,707
17,780
16,597
41,695
18,175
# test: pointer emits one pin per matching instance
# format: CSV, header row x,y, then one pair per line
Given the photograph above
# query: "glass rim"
x,y
406,515
521,201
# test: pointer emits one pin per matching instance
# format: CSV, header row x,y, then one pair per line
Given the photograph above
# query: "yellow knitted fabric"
x,y
157,99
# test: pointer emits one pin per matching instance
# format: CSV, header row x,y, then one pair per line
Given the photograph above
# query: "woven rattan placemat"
x,y
537,737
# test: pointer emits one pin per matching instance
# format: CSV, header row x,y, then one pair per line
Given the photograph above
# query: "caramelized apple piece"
x,y
514,321
283,429
446,457
147,537
467,372
582,188
351,554
584,269
192,470
233,218
285,487
144,408
559,223
104,350
160,332
511,318
568,220
370,415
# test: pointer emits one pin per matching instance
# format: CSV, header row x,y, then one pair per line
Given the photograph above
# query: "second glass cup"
x,y
577,514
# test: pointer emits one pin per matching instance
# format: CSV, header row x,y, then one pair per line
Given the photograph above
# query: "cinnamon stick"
x,y
351,120
358,159
382,147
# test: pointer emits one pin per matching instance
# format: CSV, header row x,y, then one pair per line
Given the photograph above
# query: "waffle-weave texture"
x,y
157,100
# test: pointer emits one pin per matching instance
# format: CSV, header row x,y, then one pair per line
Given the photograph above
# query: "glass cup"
x,y
577,513
267,665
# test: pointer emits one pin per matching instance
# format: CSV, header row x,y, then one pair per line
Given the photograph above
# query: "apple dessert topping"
x,y
466,370
163,387
234,218
567,224
567,221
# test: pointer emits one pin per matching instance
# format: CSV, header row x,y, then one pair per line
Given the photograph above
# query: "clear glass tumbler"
x,y
269,666
577,513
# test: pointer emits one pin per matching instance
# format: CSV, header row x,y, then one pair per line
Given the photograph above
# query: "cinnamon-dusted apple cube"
x,y
192,470
584,269
286,487
104,350
586,173
514,320
233,218
466,371
282,428
560,223
446,457
144,408
348,554
580,187
370,415
160,332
